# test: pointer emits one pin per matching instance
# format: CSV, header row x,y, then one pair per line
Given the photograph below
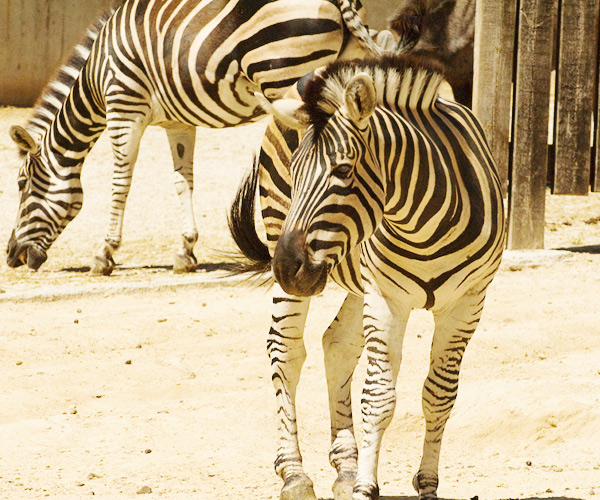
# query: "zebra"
x,y
178,64
377,182
443,29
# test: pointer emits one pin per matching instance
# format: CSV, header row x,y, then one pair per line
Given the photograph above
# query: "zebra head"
x,y
337,186
48,201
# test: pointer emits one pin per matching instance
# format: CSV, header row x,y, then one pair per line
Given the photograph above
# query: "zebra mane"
x,y
57,89
402,82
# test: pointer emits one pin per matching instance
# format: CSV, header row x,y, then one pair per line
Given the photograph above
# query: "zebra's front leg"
x,y
454,327
285,346
125,138
182,141
384,324
342,345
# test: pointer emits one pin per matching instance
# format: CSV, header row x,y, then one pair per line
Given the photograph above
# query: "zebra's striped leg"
x,y
342,345
125,136
384,326
285,346
182,141
453,329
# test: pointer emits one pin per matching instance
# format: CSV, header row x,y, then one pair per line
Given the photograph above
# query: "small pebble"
x,y
79,310
91,476
73,411
75,321
147,450
19,363
139,346
549,490
528,463
144,490
162,320
128,362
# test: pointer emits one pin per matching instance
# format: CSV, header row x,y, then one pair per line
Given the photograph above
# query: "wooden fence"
x,y
35,38
536,91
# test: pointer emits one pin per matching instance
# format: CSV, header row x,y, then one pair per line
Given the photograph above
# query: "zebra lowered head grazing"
x,y
391,192
178,64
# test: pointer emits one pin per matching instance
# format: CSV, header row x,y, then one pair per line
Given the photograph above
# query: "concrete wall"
x,y
36,36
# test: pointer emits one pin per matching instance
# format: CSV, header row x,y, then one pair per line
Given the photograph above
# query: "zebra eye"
x,y
22,182
342,171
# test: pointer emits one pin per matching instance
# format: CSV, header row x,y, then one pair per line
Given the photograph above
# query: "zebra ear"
x,y
23,139
287,111
360,98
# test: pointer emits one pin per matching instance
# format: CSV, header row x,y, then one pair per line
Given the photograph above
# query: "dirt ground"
x,y
146,379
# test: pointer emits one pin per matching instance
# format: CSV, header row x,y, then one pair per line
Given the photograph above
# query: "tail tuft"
x,y
255,259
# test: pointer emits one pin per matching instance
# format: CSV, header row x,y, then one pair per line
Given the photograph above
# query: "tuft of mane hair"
x,y
57,89
403,81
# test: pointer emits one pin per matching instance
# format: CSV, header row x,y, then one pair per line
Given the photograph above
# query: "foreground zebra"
x,y
174,63
393,193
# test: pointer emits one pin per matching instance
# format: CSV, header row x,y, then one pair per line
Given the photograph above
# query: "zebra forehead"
x,y
401,81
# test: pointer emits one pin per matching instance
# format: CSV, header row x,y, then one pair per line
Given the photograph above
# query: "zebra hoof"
x,y
425,484
185,263
102,266
365,492
343,486
298,487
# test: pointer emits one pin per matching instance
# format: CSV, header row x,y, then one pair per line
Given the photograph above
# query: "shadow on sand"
x,y
206,267
582,249
472,498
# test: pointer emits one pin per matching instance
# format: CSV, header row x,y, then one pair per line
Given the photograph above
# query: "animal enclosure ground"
x,y
143,378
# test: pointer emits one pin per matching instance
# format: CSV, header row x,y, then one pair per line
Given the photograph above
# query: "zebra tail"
x,y
255,259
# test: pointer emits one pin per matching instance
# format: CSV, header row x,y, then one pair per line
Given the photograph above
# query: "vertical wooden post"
x,y
530,130
493,75
575,95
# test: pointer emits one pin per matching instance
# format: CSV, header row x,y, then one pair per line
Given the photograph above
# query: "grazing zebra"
x,y
391,191
173,63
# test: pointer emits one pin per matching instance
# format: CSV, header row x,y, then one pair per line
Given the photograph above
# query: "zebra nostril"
x,y
289,256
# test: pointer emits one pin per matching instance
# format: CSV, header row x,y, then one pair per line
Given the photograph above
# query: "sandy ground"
x,y
149,379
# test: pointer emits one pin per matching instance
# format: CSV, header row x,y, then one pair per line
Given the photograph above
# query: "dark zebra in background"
x,y
444,30
178,64
378,182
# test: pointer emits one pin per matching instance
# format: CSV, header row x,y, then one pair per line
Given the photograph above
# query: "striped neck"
x,y
57,90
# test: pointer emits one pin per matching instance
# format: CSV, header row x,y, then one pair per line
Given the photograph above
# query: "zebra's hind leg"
x,y
285,346
454,328
182,141
342,345
125,136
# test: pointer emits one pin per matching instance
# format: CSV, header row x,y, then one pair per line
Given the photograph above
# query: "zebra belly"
x,y
433,283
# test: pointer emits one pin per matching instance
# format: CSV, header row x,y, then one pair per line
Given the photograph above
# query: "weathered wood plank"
x,y
35,37
575,95
493,74
530,131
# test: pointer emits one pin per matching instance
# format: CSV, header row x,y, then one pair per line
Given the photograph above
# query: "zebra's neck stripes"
x,y
57,90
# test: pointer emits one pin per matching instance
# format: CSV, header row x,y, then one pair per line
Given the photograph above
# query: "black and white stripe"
x,y
391,191
174,63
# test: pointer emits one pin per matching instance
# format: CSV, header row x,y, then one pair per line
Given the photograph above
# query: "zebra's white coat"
x,y
390,190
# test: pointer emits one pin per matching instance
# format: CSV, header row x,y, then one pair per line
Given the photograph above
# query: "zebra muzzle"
x,y
293,269
19,254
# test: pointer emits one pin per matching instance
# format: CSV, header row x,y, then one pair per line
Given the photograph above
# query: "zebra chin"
x,y
30,254
294,271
